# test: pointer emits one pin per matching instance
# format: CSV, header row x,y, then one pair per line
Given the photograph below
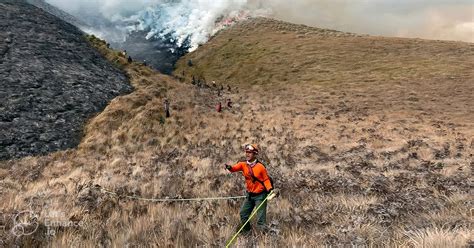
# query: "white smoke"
x,y
194,21
188,20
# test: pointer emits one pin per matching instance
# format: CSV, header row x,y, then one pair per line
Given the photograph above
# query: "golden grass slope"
x,y
421,76
370,140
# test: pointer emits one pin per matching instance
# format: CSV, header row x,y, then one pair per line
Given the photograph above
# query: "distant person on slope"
x,y
258,183
167,108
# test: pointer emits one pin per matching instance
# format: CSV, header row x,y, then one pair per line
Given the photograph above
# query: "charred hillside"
x,y
51,81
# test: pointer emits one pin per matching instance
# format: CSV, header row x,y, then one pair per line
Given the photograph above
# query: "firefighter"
x,y
259,186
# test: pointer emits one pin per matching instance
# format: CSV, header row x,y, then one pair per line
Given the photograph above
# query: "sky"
x,y
431,19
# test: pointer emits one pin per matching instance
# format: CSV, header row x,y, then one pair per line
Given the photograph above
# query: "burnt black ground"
x,y
159,53
51,81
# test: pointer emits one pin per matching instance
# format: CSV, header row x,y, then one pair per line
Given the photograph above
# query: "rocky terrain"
x,y
370,140
51,82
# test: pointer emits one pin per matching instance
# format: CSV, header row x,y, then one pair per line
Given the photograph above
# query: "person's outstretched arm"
x,y
234,168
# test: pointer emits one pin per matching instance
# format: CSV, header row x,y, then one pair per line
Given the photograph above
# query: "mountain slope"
x,y
52,81
358,163
431,77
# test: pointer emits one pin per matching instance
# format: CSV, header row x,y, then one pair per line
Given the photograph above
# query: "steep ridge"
x,y
52,81
58,13
355,165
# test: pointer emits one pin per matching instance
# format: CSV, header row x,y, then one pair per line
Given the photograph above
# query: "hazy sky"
x,y
432,19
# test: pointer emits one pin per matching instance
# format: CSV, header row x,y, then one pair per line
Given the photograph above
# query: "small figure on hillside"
x,y
221,87
259,187
228,88
144,62
193,81
214,84
129,60
190,63
108,45
229,103
219,107
167,108
124,53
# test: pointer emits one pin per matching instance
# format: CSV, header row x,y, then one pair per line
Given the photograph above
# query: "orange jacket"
x,y
259,171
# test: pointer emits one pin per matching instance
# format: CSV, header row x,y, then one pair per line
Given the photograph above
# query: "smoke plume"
x,y
195,20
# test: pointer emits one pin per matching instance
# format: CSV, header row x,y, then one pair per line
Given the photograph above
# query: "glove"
x,y
228,167
274,193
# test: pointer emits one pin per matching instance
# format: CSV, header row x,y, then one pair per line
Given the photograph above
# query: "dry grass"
x,y
369,138
439,238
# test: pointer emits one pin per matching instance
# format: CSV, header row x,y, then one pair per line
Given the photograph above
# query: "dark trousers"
x,y
249,204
